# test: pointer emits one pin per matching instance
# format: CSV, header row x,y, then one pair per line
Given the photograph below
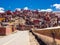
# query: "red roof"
x,y
36,21
9,12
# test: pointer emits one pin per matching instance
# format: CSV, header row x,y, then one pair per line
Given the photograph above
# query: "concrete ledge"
x,y
48,40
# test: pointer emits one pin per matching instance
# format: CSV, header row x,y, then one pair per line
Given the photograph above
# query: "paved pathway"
x,y
19,38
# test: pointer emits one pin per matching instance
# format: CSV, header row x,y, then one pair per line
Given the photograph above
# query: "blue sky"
x,y
31,4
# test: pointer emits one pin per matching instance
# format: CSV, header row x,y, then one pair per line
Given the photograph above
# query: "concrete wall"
x,y
6,30
48,40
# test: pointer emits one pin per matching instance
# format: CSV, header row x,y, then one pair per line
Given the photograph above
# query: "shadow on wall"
x,y
38,39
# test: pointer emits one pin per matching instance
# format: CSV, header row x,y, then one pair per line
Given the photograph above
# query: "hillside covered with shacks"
x,y
39,19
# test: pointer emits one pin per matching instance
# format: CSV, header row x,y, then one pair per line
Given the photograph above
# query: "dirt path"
x,y
33,41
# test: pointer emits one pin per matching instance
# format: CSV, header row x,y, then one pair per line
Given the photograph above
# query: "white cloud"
x,y
18,9
57,6
25,8
39,10
2,10
47,10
